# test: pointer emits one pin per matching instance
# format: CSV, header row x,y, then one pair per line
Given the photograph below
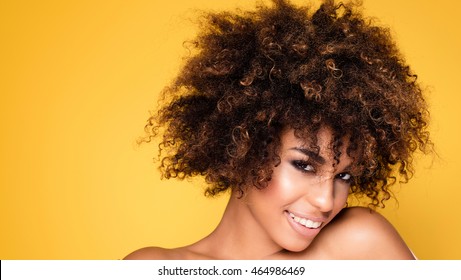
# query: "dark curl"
x,y
252,74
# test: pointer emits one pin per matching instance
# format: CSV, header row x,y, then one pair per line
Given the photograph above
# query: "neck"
x,y
238,235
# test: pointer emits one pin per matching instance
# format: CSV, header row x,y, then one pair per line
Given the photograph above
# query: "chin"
x,y
297,247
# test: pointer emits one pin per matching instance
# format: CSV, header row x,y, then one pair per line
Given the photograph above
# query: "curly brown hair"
x,y
254,73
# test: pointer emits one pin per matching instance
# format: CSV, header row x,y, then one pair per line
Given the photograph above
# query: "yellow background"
x,y
77,81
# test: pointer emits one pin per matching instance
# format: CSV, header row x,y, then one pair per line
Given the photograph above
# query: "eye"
x,y
345,177
303,166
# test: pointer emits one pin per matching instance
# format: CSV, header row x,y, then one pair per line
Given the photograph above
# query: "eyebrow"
x,y
312,155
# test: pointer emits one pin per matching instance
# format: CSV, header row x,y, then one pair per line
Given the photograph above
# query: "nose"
x,y
321,195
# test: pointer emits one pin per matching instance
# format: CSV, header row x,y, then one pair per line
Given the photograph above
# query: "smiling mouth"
x,y
305,222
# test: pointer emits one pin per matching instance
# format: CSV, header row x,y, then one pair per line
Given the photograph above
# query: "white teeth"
x,y
305,222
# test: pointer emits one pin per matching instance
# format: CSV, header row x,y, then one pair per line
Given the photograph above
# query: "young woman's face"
x,y
306,191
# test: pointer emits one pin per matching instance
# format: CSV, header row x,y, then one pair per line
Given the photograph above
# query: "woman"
x,y
293,111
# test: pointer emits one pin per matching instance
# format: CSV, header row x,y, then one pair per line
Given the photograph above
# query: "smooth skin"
x,y
267,223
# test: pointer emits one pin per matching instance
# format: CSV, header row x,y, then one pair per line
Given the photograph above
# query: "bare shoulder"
x,y
158,253
153,253
361,233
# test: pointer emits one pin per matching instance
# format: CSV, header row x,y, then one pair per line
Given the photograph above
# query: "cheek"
x,y
341,195
275,192
281,189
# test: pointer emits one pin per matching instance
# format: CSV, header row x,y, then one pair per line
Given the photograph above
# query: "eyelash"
x,y
342,175
303,166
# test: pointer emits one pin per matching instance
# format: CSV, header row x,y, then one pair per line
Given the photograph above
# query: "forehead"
x,y
323,138
323,147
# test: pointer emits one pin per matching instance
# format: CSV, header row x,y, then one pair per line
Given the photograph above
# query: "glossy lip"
x,y
305,217
302,230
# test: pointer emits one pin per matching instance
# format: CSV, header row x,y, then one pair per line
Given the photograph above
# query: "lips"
x,y
305,222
